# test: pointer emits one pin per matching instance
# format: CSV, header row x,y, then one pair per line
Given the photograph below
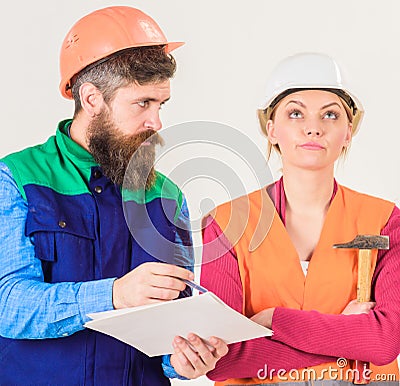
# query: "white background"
x,y
231,46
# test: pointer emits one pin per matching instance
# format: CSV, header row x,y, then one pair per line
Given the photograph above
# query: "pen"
x,y
195,286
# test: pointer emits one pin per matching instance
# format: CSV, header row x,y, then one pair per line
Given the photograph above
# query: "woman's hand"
x,y
355,307
264,317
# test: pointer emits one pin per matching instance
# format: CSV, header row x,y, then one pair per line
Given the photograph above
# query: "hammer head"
x,y
366,242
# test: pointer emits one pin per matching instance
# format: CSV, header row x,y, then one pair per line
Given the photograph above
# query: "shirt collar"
x,y
78,155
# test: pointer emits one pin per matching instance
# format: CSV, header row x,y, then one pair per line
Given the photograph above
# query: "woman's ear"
x,y
349,135
271,132
91,99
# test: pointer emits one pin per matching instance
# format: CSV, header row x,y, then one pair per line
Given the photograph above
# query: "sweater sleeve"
x,y
220,274
372,337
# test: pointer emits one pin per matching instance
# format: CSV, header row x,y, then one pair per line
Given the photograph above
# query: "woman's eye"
x,y
331,115
295,114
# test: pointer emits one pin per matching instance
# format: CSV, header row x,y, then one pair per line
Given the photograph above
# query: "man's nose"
x,y
153,120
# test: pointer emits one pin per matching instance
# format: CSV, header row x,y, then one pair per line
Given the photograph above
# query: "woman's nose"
x,y
313,131
312,127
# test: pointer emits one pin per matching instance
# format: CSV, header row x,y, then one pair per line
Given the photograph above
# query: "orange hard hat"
x,y
104,32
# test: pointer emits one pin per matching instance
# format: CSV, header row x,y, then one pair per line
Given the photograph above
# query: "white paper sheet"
x,y
152,328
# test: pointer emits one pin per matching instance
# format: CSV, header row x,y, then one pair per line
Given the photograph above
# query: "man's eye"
x,y
295,114
142,103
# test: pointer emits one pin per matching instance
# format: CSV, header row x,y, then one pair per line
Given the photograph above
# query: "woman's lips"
x,y
312,146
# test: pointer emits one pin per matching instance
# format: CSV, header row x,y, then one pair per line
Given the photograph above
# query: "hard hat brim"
x,y
169,47
173,46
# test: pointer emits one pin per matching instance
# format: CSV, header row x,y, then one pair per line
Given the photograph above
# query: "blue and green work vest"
x,y
85,228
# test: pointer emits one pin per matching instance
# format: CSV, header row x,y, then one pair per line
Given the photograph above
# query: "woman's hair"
x,y
140,65
263,120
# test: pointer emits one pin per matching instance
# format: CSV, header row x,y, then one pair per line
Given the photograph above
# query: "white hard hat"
x,y
308,71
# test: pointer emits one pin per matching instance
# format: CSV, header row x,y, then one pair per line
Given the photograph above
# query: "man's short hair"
x,y
140,65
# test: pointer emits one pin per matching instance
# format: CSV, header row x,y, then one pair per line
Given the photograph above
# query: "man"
x,y
67,250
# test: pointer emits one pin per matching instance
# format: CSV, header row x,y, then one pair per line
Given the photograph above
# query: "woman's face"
x,y
311,128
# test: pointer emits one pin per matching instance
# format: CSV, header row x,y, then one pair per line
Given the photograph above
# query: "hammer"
x,y
364,244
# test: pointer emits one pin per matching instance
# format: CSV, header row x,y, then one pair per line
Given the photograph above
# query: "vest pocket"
x,y
64,242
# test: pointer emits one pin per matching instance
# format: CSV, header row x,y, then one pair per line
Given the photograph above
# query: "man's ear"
x,y
271,132
91,99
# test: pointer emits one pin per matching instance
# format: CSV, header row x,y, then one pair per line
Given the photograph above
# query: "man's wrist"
x,y
169,370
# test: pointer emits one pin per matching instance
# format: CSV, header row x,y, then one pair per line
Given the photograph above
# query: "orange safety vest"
x,y
271,273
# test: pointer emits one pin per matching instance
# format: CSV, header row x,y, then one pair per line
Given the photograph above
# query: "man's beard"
x,y
113,152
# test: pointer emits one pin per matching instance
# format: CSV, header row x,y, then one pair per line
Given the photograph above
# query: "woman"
x,y
274,247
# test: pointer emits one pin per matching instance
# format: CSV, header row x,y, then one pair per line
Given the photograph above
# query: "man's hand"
x,y
355,307
195,357
149,283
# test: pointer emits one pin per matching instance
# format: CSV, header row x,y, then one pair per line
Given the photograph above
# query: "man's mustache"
x,y
150,136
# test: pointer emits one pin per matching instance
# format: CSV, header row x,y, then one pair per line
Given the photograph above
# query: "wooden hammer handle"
x,y
363,295
364,276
